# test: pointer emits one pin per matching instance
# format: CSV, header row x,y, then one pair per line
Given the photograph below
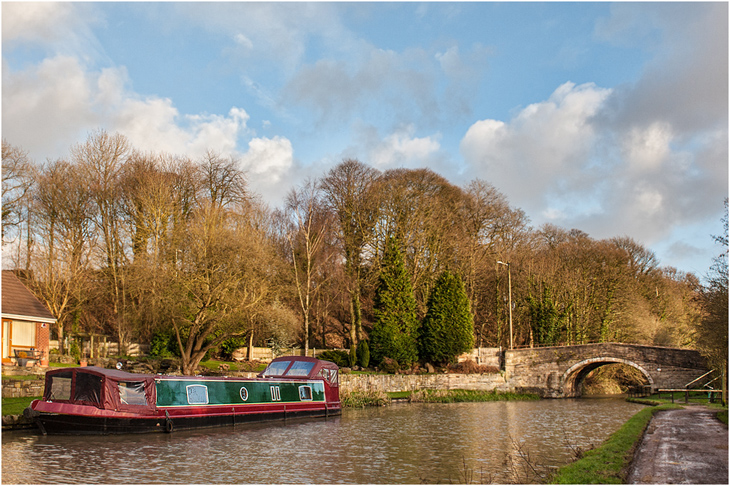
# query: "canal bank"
x,y
684,446
635,455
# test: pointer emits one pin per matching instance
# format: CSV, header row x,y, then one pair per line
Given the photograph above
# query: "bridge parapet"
x,y
559,371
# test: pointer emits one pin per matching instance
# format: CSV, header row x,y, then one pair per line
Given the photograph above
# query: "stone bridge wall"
x,y
558,371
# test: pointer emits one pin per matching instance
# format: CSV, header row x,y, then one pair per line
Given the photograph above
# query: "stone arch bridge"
x,y
558,372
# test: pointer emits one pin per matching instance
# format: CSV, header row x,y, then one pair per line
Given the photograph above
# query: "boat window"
x,y
300,368
88,388
276,368
305,392
132,392
329,375
197,394
58,386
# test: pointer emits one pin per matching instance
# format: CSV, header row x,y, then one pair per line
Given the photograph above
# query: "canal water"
x,y
402,443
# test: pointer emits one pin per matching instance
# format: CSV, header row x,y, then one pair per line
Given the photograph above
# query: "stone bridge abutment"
x,y
559,372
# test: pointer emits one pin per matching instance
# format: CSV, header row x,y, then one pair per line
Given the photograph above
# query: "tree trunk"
x,y
249,355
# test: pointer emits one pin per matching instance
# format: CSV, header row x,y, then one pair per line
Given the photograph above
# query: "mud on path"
x,y
688,446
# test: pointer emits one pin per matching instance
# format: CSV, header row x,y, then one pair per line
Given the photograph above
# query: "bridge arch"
x,y
574,376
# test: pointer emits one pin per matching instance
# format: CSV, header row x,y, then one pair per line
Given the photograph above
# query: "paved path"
x,y
688,446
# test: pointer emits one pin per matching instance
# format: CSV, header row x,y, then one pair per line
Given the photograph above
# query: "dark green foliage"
x,y
448,328
389,365
547,321
340,358
396,325
227,347
363,354
352,357
164,345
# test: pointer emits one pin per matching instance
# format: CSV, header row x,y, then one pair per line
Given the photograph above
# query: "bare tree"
x,y
64,236
101,159
349,193
308,224
16,180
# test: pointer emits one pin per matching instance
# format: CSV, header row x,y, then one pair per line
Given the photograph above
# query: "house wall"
x,y
40,341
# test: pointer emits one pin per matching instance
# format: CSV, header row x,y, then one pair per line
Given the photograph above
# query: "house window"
x,y
23,334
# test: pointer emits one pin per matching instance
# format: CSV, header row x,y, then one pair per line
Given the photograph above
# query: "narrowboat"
x,y
92,400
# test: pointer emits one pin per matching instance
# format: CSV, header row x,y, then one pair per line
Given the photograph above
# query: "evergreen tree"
x,y
448,328
396,325
363,354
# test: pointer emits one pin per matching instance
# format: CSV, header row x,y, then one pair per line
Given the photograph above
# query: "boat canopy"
x,y
102,388
302,367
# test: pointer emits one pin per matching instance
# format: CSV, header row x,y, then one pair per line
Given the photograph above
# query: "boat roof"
x,y
114,374
118,375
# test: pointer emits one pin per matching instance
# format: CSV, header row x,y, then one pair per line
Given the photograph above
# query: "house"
x,y
26,322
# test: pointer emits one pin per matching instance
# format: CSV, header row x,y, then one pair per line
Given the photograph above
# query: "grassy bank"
x,y
15,406
696,399
360,399
607,464
453,396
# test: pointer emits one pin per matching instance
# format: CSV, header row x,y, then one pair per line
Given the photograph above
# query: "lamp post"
x,y
509,283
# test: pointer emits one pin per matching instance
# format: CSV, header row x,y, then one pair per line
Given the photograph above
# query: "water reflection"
x,y
403,443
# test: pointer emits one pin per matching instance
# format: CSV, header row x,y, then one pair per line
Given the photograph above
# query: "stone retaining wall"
x,y
397,383
22,388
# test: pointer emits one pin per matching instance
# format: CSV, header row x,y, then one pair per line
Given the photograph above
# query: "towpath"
x,y
688,446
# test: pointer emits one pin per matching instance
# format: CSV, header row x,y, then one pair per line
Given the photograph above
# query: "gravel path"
x,y
688,446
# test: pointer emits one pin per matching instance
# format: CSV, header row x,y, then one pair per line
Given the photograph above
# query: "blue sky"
x,y
607,117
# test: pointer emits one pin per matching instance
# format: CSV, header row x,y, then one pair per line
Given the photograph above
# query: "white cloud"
x,y
545,148
647,149
37,22
269,157
403,149
48,107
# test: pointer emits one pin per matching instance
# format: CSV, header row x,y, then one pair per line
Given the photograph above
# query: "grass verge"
x,y
15,406
453,396
360,399
608,463
23,377
374,398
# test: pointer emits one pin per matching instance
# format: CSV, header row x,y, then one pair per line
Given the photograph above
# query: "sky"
x,y
611,118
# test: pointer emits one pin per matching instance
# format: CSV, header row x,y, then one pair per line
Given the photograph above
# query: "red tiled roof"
x,y
17,300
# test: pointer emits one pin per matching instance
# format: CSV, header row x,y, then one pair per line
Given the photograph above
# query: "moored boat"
x,y
92,400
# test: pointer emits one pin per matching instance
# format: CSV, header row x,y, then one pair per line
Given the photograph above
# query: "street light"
x,y
509,282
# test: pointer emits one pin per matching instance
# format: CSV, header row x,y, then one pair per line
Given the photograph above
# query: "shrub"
x,y
227,347
75,350
389,365
338,357
363,354
361,399
164,345
469,367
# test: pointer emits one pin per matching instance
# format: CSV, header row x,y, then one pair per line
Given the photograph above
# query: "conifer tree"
x,y
396,325
448,328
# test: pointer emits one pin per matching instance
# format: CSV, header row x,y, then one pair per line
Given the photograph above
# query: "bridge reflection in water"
x,y
404,443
